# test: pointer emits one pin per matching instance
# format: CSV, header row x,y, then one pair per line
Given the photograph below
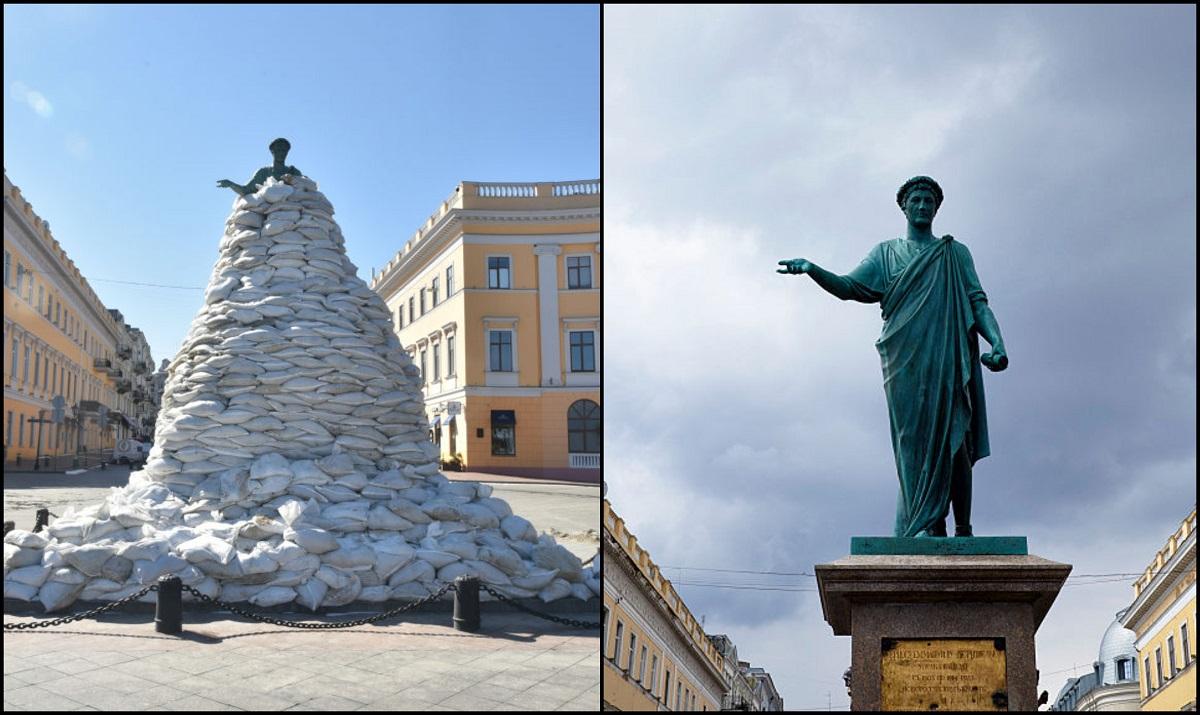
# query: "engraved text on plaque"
x,y
943,674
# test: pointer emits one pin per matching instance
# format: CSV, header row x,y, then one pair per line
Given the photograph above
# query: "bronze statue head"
x,y
920,182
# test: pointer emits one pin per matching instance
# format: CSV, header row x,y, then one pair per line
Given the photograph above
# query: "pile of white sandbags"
x,y
291,461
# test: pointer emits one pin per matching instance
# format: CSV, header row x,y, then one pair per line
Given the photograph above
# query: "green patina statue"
x,y
279,149
933,307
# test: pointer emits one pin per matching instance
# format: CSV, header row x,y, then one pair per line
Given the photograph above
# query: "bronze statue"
x,y
279,149
933,308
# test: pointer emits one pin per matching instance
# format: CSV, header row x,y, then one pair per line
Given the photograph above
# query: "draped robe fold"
x,y
931,371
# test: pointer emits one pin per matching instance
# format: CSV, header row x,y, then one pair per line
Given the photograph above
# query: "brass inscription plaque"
x,y
944,674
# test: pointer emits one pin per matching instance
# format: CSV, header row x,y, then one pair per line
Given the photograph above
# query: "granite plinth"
x,y
938,546
885,597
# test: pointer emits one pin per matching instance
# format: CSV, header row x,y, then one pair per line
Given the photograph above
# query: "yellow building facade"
x,y
1163,616
497,299
61,342
655,654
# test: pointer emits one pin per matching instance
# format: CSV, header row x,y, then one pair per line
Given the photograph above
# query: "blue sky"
x,y
119,120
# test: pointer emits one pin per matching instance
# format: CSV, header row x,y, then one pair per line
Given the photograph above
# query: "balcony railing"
x,y
101,363
585,461
124,351
123,386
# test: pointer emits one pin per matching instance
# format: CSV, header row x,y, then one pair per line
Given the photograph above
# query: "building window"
x,y
1149,683
13,364
579,272
412,310
678,694
449,281
1187,653
666,694
1158,665
422,301
21,432
7,269
504,441
654,676
424,372
435,292
57,313
37,364
436,364
1171,655
449,355
583,427
500,350
583,350
632,652
400,317
41,296
1123,669
498,272
642,667
617,648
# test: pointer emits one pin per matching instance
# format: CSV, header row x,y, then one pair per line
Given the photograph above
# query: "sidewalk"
x,y
515,662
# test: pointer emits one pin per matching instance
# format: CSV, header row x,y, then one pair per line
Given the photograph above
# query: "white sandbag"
x,y
384,519
90,558
15,557
350,557
375,594
209,587
498,506
463,548
256,562
96,589
536,579
273,596
436,559
409,511
314,541
148,572
345,594
239,592
503,558
18,590
479,516
25,539
285,552
557,589
310,593
118,569
555,556
518,528
488,573
594,583
206,548
270,465
68,575
449,572
55,595
418,570
581,591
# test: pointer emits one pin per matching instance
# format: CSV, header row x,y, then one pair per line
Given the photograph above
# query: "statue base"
x,y
940,631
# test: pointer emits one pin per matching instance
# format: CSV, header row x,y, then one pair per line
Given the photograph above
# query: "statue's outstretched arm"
x,y
839,286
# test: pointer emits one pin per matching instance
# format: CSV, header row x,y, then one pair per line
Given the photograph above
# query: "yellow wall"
x,y
623,688
541,431
1179,690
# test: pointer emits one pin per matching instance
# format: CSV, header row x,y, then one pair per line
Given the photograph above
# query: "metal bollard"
x,y
42,520
466,603
168,616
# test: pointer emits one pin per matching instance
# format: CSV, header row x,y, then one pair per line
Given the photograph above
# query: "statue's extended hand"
x,y
996,360
225,184
795,265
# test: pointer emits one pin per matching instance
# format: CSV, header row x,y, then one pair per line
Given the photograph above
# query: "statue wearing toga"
x,y
933,307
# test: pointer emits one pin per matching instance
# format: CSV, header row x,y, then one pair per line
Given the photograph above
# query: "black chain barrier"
x,y
293,624
512,602
85,614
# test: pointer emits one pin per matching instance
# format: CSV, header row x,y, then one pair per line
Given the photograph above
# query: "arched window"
x,y
583,427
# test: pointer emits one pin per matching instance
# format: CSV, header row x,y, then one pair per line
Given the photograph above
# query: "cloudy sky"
x,y
746,423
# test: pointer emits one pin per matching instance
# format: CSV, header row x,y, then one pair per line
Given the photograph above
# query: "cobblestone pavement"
x,y
515,662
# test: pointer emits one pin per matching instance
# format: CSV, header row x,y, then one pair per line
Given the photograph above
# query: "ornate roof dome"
x,y
1118,643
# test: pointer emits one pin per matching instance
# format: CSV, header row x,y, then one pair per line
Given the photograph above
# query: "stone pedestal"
x,y
959,628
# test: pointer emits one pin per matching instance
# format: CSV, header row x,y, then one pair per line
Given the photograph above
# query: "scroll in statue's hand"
x,y
795,265
996,360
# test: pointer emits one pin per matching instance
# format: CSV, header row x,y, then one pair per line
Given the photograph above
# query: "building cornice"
x,y
1172,573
